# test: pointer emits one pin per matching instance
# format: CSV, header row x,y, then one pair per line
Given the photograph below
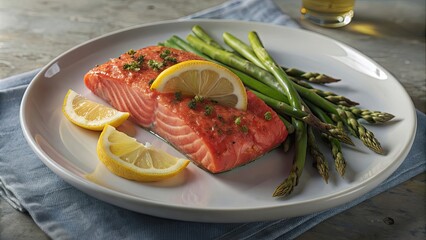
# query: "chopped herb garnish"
x,y
192,104
198,98
170,59
237,120
221,119
244,129
155,65
268,116
140,59
178,96
131,52
133,66
167,58
165,54
151,81
208,110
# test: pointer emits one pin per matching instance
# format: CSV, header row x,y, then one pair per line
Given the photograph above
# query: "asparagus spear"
x,y
234,61
242,48
283,107
330,96
200,33
247,52
288,125
350,121
319,160
368,115
358,130
310,76
287,186
300,144
336,149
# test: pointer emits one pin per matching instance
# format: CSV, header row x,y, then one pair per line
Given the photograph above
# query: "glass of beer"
x,y
328,13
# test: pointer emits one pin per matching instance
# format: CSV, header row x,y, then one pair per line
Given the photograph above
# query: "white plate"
x,y
243,194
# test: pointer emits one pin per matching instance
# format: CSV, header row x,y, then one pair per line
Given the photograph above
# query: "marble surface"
x,y
391,32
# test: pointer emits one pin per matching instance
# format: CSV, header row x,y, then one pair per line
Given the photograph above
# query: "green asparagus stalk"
x,y
368,115
350,121
246,51
283,107
200,33
319,160
287,186
300,145
330,96
242,48
234,61
288,125
288,143
336,149
358,130
310,76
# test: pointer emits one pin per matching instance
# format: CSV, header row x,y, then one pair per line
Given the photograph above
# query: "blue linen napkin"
x,y
64,212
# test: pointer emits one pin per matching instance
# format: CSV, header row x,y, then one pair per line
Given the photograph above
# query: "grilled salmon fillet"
x,y
213,141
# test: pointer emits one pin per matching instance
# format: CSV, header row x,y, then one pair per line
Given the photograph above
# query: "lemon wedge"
x,y
90,115
204,79
127,158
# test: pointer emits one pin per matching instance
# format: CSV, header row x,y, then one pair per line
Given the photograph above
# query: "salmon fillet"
x,y
214,142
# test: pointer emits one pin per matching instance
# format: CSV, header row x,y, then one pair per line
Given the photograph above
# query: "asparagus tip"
x,y
287,186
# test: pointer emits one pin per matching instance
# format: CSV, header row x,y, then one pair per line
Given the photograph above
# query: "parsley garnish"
x,y
178,96
268,116
199,98
165,53
155,65
133,66
167,58
131,52
237,120
192,104
244,129
208,110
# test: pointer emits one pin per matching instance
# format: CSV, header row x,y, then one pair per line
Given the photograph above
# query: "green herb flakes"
x,y
131,52
237,120
155,65
192,104
208,110
132,66
244,129
178,96
268,116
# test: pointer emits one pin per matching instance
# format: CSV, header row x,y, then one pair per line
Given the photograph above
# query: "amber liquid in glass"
x,y
328,13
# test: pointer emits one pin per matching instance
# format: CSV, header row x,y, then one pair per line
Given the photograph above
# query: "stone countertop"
x,y
391,32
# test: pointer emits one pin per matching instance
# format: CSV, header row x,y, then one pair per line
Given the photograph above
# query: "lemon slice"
x,y
127,158
204,79
90,115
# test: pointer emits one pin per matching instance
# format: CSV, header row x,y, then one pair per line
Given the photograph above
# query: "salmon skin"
x,y
219,141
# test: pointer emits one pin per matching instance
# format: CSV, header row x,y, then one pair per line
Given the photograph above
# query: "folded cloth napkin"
x,y
64,212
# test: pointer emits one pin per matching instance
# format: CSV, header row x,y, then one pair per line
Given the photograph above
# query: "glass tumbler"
x,y
328,13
